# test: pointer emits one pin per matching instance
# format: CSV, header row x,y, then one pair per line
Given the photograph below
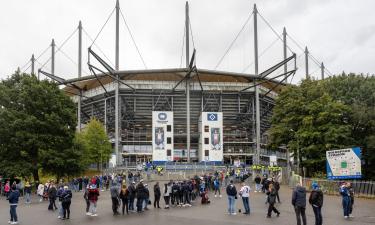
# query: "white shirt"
x,y
245,191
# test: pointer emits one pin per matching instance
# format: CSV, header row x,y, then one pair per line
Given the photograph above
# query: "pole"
x,y
257,102
53,57
79,73
322,70
307,62
32,64
117,108
187,82
285,54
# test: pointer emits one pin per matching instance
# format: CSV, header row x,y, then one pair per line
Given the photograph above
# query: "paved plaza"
x,y
213,214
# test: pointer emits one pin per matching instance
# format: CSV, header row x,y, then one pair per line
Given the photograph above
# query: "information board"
x,y
344,163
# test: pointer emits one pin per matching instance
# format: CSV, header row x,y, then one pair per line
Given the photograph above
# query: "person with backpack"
x,y
232,196
93,196
299,203
66,202
245,194
157,194
271,200
124,196
13,197
316,201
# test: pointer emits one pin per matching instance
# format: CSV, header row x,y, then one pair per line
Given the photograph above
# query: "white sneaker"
x,y
351,216
59,217
94,214
88,214
346,217
215,196
14,222
234,214
10,222
220,196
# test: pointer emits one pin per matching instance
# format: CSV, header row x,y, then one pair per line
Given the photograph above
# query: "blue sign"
x,y
162,116
344,163
212,116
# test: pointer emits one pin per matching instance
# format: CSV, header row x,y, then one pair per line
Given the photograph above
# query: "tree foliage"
x,y
96,143
37,129
317,116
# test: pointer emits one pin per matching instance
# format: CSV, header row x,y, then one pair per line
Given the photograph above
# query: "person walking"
x,y
27,192
86,197
299,203
344,191
217,187
245,194
257,181
271,200
66,202
115,194
157,194
93,198
40,191
316,201
124,196
232,196
277,188
13,197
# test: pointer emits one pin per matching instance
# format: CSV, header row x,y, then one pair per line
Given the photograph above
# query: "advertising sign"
x,y
162,136
344,163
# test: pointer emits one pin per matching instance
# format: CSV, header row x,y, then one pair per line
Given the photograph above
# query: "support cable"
x,y
235,39
182,48
131,35
97,46
101,29
191,33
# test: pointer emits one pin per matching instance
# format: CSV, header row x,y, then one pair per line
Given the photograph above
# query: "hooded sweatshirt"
x,y
299,197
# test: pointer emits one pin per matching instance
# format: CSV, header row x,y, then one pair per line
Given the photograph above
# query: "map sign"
x,y
344,163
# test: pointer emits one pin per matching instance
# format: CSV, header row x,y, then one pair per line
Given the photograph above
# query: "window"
x,y
206,141
169,152
169,128
169,140
206,128
206,152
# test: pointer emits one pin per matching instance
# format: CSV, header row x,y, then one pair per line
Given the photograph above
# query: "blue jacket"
x,y
344,191
13,197
299,197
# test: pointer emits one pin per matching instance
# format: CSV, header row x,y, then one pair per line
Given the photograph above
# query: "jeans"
x,y
217,189
93,207
258,187
231,203
13,213
300,212
346,205
318,215
61,210
245,201
115,204
28,197
131,203
139,204
66,209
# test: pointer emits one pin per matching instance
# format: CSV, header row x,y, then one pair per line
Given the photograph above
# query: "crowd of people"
x,y
131,194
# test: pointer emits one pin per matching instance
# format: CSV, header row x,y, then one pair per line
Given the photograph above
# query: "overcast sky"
x,y
340,33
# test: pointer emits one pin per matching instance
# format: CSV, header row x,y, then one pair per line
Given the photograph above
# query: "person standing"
x,y
132,194
217,186
66,201
27,192
167,194
13,197
124,196
299,203
257,181
351,192
245,194
316,201
7,188
115,194
344,191
93,198
232,196
40,191
277,188
140,190
157,194
146,200
271,200
86,197
52,193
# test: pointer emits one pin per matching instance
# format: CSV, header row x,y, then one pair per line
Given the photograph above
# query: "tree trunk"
x,y
36,175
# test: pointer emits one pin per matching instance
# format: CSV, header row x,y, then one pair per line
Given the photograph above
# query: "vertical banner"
x,y
344,163
211,137
162,136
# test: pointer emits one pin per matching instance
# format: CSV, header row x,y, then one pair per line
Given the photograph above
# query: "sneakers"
x,y
234,214
10,222
346,217
220,196
351,216
15,222
87,214
94,214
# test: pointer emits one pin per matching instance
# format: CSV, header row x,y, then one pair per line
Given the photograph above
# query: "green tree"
x,y
38,124
97,145
309,122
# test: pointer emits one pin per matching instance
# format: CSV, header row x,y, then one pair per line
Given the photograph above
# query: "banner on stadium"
x,y
211,137
344,163
162,136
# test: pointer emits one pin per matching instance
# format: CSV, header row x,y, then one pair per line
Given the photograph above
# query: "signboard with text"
x,y
344,163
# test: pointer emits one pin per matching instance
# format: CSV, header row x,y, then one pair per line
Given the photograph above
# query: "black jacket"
x,y
271,198
231,190
141,191
316,198
157,192
299,197
131,190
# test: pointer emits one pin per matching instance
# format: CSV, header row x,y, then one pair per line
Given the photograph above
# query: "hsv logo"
x,y
212,116
162,116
